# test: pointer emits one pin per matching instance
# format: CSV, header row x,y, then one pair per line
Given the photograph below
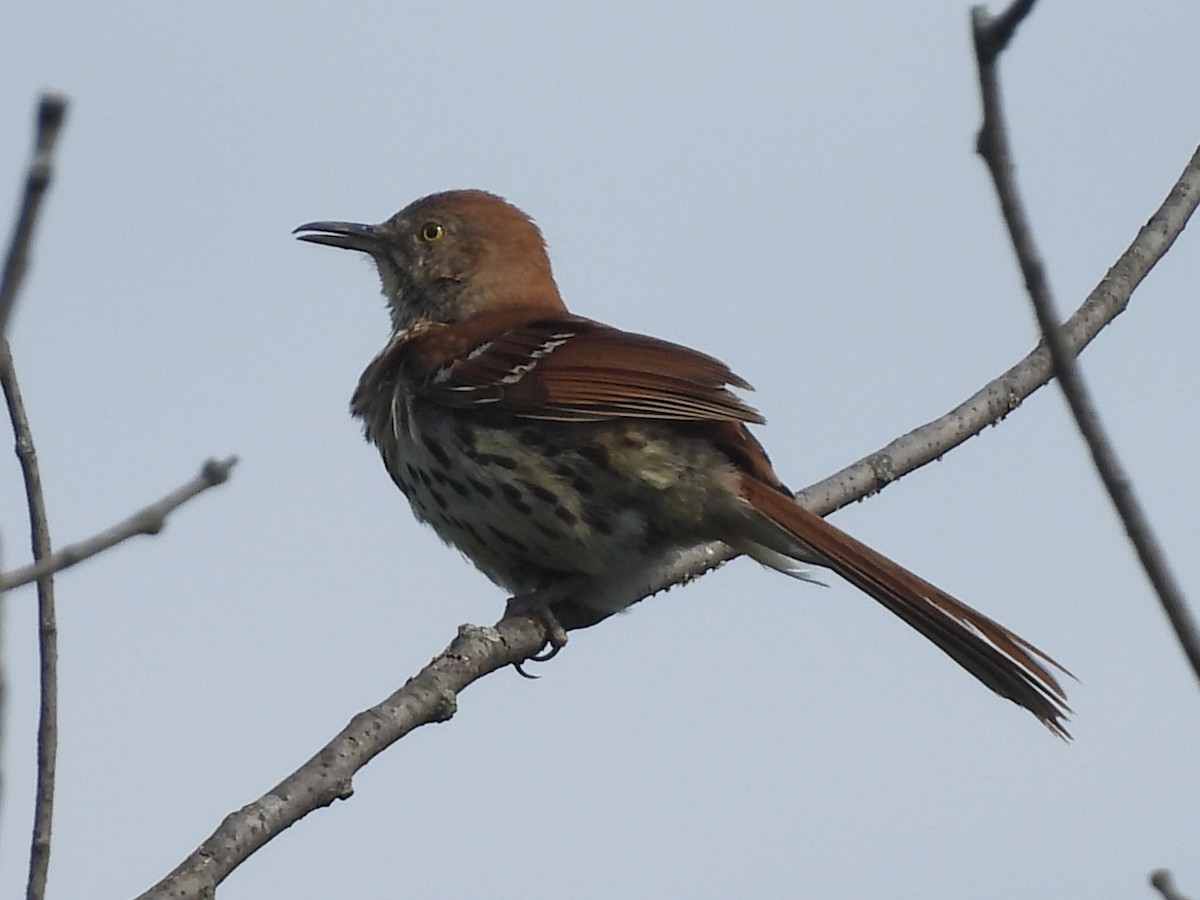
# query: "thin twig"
x,y
149,520
52,109
476,652
51,112
39,534
1160,880
993,147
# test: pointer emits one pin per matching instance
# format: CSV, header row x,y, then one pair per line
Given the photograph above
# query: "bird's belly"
x,y
532,503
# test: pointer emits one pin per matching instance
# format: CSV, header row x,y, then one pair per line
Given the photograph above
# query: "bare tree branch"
x,y
1160,880
149,520
52,108
51,112
990,36
39,533
431,695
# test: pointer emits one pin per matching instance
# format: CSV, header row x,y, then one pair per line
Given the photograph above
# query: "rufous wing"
x,y
574,369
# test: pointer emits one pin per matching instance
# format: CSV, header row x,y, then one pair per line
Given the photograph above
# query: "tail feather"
x,y
1004,661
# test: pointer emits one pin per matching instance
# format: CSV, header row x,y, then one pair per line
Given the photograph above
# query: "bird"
x,y
569,459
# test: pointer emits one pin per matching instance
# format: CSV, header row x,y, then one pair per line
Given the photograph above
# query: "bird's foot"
x,y
539,605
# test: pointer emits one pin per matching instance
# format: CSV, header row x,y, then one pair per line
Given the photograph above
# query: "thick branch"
x,y
149,520
431,696
990,36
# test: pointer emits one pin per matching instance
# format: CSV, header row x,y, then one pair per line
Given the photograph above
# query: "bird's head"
x,y
450,256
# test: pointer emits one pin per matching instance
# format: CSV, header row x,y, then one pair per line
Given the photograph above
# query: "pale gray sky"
x,y
788,186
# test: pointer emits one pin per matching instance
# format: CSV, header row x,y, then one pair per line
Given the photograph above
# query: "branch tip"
x,y
1161,881
52,110
149,520
217,471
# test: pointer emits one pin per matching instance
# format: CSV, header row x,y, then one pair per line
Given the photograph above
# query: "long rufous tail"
x,y
1002,660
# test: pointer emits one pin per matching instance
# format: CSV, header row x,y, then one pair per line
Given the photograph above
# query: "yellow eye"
x,y
432,231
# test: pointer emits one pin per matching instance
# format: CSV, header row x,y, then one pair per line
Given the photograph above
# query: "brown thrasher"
x,y
568,459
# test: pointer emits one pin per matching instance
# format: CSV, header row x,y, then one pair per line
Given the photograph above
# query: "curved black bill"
x,y
347,235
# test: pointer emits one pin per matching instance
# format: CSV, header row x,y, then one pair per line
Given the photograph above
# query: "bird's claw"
x,y
537,605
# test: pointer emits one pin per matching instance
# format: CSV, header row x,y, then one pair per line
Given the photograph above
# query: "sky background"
x,y
789,186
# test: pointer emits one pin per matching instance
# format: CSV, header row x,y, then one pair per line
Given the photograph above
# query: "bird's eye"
x,y
432,231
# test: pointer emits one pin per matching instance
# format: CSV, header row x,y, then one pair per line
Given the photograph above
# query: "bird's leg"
x,y
538,604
